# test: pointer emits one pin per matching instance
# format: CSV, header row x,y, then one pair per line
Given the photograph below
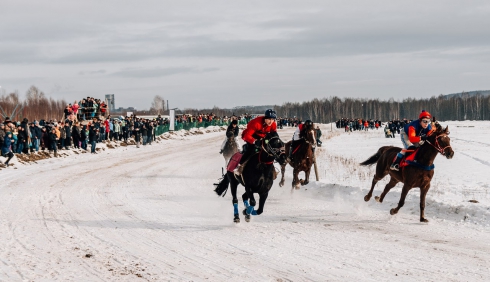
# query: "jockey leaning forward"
x,y
252,135
300,133
413,134
233,127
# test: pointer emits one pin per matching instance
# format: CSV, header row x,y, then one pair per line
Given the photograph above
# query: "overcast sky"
x,y
232,53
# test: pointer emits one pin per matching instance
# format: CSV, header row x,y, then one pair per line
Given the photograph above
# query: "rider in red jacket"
x,y
413,134
252,135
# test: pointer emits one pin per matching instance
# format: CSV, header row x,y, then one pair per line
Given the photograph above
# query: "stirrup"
x,y
395,167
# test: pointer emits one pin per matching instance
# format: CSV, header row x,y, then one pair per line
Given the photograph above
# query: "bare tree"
x,y
158,105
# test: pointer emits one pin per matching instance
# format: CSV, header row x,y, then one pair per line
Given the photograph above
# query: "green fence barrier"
x,y
159,130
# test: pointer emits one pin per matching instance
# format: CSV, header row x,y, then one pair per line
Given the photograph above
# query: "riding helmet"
x,y
308,122
424,114
270,114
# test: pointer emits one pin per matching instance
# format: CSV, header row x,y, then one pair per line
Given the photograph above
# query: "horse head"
x,y
439,139
229,134
275,147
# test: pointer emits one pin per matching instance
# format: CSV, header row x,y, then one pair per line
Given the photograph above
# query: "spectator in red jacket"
x,y
252,135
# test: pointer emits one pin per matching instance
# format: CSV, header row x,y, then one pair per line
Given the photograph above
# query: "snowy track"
x,y
150,214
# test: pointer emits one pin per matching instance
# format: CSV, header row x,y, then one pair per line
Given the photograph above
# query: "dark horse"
x,y
303,157
257,176
231,146
418,174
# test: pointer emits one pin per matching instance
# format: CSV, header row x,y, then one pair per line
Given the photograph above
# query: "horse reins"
x,y
437,146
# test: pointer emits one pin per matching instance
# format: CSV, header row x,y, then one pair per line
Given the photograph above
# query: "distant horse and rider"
x,y
230,144
301,151
415,169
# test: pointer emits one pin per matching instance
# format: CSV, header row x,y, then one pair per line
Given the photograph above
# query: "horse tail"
x,y
222,185
374,158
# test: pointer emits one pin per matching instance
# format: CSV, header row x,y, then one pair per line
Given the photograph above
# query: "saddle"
x,y
234,161
409,160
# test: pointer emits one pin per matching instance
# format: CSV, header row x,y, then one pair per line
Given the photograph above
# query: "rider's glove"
x,y
423,137
258,143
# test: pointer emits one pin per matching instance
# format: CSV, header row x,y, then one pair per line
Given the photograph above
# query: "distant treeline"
x,y
474,107
461,107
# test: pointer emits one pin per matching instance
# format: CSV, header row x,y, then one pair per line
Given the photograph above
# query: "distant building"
x,y
111,103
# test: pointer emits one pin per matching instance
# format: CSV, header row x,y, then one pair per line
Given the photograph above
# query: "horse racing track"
x,y
133,214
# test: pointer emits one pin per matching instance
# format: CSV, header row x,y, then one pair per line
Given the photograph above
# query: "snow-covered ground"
x,y
130,214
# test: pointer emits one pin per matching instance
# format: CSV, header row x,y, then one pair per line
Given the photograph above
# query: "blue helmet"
x,y
270,114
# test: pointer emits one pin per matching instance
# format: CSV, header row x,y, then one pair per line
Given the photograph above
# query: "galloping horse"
x,y
257,177
303,158
417,173
231,146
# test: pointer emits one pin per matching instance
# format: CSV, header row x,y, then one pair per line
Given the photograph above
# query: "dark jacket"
x,y
93,135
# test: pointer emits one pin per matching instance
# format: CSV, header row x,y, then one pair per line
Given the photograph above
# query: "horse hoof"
x,y
378,199
423,220
393,211
367,198
247,218
304,183
281,183
236,220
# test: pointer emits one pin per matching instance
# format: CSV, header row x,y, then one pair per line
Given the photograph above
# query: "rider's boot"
x,y
396,164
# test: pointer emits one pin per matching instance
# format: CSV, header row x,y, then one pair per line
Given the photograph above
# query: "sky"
x,y
200,54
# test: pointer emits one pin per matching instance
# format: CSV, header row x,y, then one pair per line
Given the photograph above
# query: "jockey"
x,y
252,135
233,127
299,134
413,134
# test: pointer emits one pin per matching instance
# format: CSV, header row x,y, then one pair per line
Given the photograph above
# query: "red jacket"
x,y
256,129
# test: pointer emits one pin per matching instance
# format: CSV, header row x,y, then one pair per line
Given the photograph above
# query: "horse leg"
x,y
406,188
249,208
295,182
307,177
263,198
283,169
387,189
370,193
423,193
233,187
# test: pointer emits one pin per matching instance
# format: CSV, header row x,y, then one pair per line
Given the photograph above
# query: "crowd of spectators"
x,y
87,123
25,137
87,109
353,124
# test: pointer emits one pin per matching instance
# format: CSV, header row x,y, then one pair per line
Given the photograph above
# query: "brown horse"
x,y
231,147
418,174
303,158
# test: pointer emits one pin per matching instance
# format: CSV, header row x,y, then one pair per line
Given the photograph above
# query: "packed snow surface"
x,y
150,213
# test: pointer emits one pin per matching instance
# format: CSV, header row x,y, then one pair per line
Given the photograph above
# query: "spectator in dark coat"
x,y
36,135
76,135
5,147
67,129
93,136
45,141
21,140
53,138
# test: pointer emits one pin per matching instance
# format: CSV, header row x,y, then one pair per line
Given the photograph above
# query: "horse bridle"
x,y
272,150
437,146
